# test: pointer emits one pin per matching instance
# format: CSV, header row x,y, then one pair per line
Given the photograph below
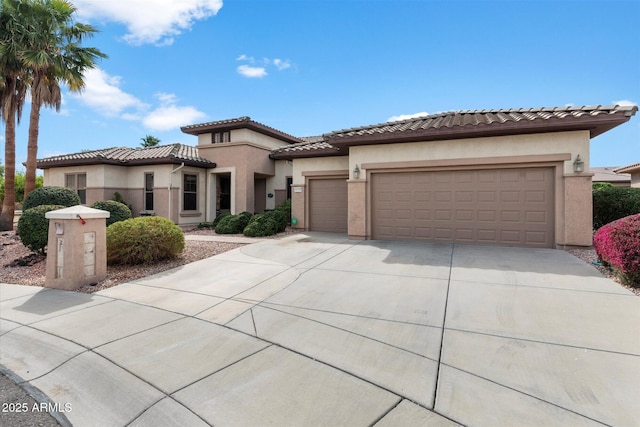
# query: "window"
x,y
190,192
219,137
78,183
289,184
148,191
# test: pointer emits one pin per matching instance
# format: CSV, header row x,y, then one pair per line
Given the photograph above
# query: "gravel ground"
x,y
32,273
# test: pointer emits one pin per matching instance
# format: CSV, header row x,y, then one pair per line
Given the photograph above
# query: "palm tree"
x,y
13,89
149,141
48,46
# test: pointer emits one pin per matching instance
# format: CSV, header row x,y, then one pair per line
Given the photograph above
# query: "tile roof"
x,y
629,168
238,123
173,153
468,124
608,174
494,118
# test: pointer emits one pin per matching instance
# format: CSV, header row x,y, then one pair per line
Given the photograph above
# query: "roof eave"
x,y
595,125
303,154
250,124
111,162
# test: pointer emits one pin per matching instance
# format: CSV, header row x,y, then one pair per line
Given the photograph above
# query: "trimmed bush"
x,y
261,225
62,196
285,207
233,224
618,246
218,218
612,203
596,186
279,217
143,240
119,211
33,227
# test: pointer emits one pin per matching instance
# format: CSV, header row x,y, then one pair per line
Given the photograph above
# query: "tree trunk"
x,y
32,147
9,203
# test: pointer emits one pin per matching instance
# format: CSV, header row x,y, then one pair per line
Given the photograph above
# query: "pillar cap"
x,y
74,211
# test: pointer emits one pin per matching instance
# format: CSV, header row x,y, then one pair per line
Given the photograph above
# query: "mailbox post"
x,y
77,247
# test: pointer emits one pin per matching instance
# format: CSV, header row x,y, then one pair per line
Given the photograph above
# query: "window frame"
x,y
148,192
75,186
186,192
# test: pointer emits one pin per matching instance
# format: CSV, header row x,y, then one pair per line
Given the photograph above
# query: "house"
x,y
509,177
607,174
634,171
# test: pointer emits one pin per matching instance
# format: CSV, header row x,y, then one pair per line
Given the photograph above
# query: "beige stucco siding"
x,y
501,146
318,164
283,169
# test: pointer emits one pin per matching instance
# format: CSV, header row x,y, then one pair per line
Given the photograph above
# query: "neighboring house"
x,y
166,180
634,171
507,177
228,171
607,174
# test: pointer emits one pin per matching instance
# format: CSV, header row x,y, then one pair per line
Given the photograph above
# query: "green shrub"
x,y
612,203
51,196
33,227
205,225
246,214
279,217
261,225
117,197
143,240
233,224
596,186
285,207
119,211
218,218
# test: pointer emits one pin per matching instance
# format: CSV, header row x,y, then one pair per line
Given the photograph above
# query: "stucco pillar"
x,y
578,210
357,201
298,201
77,247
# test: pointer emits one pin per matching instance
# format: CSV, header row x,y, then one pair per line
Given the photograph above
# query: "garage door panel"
x,y
511,206
328,208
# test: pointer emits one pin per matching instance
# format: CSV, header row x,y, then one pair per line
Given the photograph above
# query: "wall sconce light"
x,y
578,165
356,172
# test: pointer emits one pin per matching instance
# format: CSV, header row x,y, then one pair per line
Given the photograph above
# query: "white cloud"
x,y
281,64
625,103
259,72
252,72
168,115
244,57
406,116
149,21
102,93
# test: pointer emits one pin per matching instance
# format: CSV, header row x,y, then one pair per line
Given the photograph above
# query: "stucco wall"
x,y
283,169
244,136
500,146
635,179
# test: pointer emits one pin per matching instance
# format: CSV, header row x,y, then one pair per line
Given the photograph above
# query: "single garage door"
x,y
328,205
502,206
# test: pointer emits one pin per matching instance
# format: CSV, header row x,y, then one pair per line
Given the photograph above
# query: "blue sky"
x,y
307,67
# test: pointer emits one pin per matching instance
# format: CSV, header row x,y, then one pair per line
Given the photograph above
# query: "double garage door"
x,y
502,206
499,206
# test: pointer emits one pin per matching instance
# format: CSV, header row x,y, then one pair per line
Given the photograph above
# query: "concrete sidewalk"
x,y
314,329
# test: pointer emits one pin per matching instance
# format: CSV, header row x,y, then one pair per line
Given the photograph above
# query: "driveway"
x,y
315,329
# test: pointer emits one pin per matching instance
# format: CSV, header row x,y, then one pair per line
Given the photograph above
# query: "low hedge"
x,y
118,211
260,226
233,224
33,227
62,196
618,246
612,203
143,240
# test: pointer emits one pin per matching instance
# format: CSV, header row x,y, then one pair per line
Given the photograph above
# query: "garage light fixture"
x,y
578,165
356,172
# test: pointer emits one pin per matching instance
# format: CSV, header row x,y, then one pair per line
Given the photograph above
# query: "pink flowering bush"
x,y
618,246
